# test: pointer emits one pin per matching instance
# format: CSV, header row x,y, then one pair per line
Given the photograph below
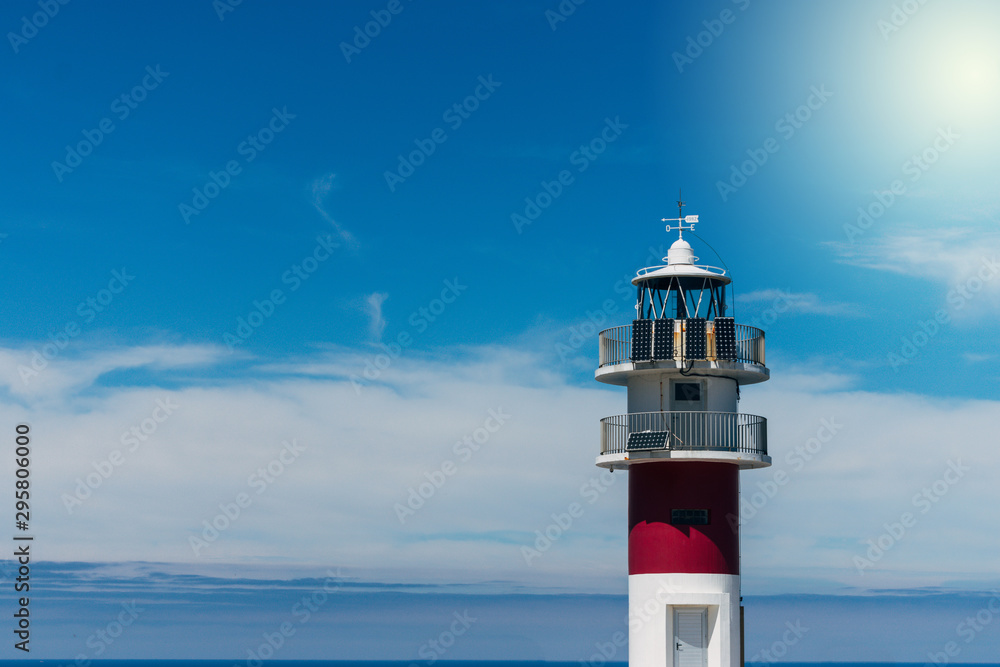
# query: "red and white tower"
x,y
683,443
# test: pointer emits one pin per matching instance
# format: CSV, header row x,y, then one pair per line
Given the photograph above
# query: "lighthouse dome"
x,y
680,253
680,263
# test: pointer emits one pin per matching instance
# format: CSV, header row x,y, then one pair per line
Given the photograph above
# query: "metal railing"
x,y
686,431
717,270
615,344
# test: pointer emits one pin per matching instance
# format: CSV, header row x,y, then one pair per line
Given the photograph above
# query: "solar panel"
x,y
663,339
647,440
642,340
694,338
725,338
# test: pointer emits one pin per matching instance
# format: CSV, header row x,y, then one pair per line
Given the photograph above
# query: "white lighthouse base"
x,y
684,620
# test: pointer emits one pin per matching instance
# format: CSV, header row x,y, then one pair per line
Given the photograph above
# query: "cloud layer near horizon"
x,y
323,470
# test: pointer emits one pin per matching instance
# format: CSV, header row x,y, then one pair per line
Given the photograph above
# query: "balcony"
x,y
616,344
728,436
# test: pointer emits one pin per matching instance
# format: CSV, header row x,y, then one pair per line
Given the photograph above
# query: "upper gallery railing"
x,y
616,344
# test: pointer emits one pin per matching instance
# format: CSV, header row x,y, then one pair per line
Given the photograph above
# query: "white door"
x,y
689,637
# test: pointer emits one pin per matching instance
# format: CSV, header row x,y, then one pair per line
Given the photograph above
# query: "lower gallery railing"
x,y
684,431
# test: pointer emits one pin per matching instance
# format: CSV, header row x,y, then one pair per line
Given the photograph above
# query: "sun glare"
x,y
956,75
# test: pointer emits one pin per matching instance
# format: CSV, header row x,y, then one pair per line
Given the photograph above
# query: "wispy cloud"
x,y
320,190
964,261
945,254
373,306
795,302
44,373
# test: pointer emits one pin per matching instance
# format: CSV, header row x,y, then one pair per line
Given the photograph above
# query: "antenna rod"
x,y
680,214
691,220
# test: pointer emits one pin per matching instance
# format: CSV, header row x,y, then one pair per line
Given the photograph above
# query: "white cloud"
x,y
890,448
366,446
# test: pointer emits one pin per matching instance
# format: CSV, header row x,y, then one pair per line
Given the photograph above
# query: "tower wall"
x,y
655,545
651,392
653,598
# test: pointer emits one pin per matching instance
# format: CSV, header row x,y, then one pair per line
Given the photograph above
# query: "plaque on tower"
x,y
694,337
725,338
689,517
642,340
663,339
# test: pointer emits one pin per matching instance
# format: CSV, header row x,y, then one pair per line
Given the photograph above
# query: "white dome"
x,y
680,253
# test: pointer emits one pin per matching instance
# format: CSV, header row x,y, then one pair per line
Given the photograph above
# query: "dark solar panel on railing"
x,y
647,440
642,340
694,338
725,338
663,339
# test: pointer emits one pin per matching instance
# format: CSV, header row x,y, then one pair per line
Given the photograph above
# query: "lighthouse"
x,y
683,442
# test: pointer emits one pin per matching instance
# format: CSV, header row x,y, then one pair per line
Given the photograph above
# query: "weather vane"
x,y
681,219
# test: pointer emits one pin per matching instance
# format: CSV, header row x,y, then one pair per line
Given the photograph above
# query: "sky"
x,y
302,301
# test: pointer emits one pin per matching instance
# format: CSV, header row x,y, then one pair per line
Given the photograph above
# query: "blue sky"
x,y
250,268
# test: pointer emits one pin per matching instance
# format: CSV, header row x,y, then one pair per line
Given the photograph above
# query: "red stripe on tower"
x,y
656,545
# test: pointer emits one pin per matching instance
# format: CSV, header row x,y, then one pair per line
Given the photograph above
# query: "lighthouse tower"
x,y
683,443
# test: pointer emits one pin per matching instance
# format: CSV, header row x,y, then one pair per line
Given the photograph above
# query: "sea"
x,y
440,663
